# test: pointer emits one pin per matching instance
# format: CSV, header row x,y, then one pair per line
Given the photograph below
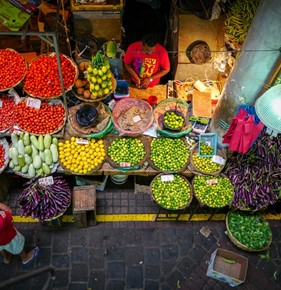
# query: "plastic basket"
x,y
123,106
210,139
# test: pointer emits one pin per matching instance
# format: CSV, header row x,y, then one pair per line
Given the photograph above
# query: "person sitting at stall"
x,y
146,61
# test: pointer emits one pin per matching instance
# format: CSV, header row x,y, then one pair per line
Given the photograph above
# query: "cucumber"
x,y
34,151
55,153
41,143
47,141
28,149
21,147
46,168
55,141
48,156
34,141
26,139
15,139
21,160
11,164
42,155
27,159
13,154
17,168
31,170
37,163
24,169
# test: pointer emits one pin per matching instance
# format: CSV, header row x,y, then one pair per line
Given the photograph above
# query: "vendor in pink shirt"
x,y
146,61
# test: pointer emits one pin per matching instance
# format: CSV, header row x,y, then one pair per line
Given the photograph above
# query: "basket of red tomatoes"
x,y
7,112
13,68
4,154
43,79
40,117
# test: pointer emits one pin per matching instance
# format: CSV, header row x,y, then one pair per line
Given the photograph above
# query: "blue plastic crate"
x,y
208,138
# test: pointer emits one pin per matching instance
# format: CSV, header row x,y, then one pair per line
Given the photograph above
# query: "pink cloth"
x,y
242,132
145,65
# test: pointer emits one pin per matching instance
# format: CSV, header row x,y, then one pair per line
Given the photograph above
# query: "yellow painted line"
x,y
145,217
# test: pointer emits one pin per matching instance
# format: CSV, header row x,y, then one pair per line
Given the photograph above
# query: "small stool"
x,y
84,205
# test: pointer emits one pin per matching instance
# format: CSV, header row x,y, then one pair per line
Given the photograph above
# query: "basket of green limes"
x,y
171,191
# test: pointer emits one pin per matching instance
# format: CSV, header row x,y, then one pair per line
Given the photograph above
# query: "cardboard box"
x,y
12,17
232,271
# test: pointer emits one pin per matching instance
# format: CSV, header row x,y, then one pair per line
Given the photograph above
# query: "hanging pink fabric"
x,y
242,132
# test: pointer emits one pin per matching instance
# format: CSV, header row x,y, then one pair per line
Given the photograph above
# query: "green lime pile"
x,y
173,194
173,120
205,164
129,150
251,230
213,191
206,149
169,154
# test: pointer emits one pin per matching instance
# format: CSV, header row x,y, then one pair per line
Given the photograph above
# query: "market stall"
x,y
116,129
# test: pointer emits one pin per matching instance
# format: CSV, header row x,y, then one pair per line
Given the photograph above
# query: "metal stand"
x,y
212,210
18,279
44,36
168,215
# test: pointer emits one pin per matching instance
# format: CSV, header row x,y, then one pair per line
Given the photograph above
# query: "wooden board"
x,y
201,104
160,91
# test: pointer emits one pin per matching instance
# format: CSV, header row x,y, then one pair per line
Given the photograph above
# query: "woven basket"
x,y
196,170
89,132
51,55
6,96
5,145
25,175
23,73
151,163
50,103
144,139
240,245
203,204
171,104
67,171
124,105
181,208
81,97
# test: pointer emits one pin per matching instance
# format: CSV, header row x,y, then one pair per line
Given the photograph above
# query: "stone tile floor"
x,y
135,255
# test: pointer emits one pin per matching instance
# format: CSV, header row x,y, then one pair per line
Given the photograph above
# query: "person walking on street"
x,y
146,61
12,242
